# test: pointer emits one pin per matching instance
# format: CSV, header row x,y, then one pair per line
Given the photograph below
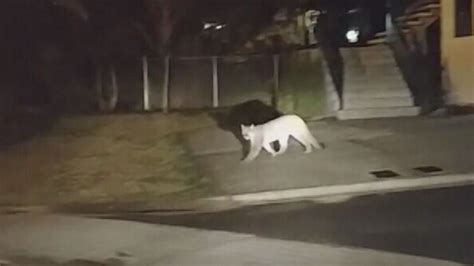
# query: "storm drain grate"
x,y
384,174
428,169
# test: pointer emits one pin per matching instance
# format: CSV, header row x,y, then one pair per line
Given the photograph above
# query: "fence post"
x,y
146,85
215,83
99,85
115,90
166,83
276,78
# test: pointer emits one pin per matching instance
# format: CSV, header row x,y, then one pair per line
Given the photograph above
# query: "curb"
x,y
397,185
5,210
222,203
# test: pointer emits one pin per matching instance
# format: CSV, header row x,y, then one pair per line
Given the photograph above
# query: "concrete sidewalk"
x,y
354,149
60,240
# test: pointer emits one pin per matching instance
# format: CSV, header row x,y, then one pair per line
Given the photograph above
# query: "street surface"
x,y
429,223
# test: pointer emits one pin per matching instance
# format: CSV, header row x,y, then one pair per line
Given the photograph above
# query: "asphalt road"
x,y
430,223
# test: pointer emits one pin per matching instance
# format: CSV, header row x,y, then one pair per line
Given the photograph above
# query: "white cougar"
x,y
279,129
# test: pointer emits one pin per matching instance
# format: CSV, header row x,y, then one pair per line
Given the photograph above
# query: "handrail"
x,y
413,7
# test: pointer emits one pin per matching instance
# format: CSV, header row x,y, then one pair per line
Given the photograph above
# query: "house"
x,y
457,50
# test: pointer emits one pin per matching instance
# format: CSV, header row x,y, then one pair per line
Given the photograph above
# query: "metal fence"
x,y
172,83
204,82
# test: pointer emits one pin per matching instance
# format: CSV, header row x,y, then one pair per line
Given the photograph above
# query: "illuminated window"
x,y
463,18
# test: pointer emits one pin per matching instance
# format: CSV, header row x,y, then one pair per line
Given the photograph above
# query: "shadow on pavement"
x,y
27,261
251,112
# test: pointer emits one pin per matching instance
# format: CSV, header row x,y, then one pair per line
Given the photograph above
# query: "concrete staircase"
x,y
417,17
373,85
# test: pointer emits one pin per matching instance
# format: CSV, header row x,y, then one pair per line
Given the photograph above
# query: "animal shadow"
x,y
253,112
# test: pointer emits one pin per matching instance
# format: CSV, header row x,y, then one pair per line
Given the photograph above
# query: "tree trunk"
x,y
107,101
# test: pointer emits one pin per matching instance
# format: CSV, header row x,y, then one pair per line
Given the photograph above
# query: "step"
x,y
375,51
374,81
382,70
374,84
376,87
352,62
372,93
379,48
370,62
412,23
378,40
377,112
405,30
348,52
381,34
364,58
418,7
377,102
415,16
355,72
377,59
371,70
427,7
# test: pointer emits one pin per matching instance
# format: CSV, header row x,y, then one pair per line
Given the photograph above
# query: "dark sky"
x,y
26,21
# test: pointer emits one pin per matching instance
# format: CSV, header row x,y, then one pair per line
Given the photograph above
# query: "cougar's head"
x,y
247,131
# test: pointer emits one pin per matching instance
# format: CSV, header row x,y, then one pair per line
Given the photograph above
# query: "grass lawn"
x,y
104,158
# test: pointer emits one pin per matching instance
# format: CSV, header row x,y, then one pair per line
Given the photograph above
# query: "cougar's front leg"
x,y
283,145
255,147
268,147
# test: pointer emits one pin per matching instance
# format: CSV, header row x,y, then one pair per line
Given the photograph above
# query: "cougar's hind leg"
x,y
301,138
314,142
308,147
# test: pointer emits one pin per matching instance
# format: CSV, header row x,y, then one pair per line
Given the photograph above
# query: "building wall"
x,y
457,59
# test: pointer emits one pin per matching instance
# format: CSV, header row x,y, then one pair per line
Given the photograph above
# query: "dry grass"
x,y
90,159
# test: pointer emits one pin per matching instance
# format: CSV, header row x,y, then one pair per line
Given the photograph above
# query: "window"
x,y
463,18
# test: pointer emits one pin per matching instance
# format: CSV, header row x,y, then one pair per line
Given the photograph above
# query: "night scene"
x,y
236,132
